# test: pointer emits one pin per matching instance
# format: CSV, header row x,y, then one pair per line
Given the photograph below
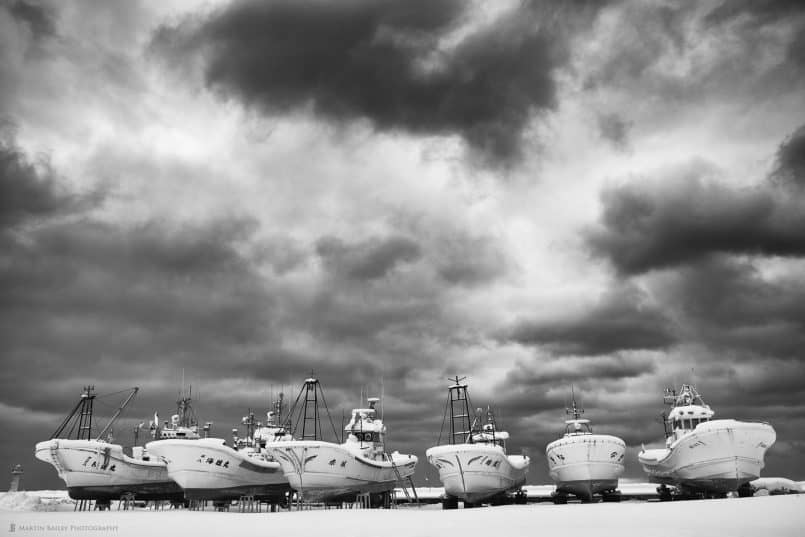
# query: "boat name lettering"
x,y
210,460
94,464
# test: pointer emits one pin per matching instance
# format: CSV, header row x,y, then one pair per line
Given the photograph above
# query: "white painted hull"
x,y
476,472
209,469
718,456
323,470
101,471
584,465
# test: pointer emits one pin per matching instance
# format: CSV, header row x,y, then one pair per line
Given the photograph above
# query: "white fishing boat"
x,y
328,471
703,455
95,468
585,464
209,469
474,466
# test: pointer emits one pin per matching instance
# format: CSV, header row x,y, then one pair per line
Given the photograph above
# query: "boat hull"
x,y
323,471
477,472
208,469
585,465
94,470
718,456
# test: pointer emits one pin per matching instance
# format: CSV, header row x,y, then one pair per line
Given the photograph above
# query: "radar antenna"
x,y
575,410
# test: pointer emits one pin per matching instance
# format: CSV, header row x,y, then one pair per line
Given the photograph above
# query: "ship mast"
x,y
308,414
81,415
311,398
460,417
574,411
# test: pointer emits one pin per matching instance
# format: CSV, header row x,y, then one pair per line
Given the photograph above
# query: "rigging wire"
x,y
105,405
70,432
335,434
470,420
299,415
115,393
444,419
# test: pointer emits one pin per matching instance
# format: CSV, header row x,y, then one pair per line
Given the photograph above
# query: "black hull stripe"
x,y
150,491
260,492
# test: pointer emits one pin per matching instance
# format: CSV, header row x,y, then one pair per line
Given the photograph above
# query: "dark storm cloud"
x,y
790,168
751,21
729,304
469,261
687,214
30,190
362,317
564,372
712,58
729,281
282,253
456,254
624,319
615,129
85,302
385,62
95,302
40,19
367,260
754,12
771,384
796,51
81,297
359,305
535,395
90,301
111,281
649,31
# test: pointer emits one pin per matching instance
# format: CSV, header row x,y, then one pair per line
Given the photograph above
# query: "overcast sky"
x,y
530,194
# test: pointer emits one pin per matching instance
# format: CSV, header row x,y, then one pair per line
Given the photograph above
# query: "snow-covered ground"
x,y
770,515
778,484
38,500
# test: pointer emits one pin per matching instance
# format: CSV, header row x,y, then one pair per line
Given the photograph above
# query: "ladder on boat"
x,y
402,484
